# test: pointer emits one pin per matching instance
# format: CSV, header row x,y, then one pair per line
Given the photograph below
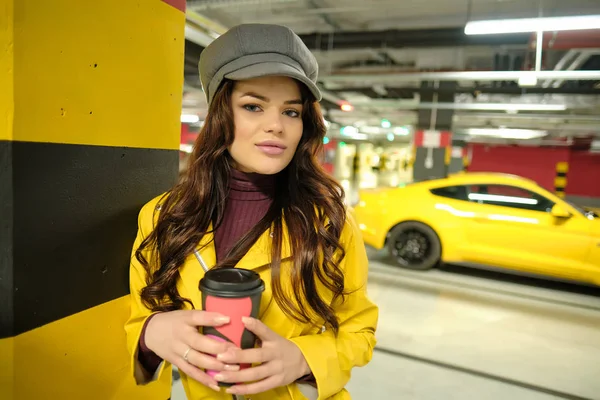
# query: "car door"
x,y
593,259
513,228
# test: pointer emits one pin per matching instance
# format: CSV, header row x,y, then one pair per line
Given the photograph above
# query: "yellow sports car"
x,y
484,219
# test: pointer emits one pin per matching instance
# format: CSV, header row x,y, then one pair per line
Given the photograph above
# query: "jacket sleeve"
x,y
139,312
332,358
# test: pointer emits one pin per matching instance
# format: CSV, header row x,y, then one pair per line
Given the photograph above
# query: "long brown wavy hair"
x,y
309,200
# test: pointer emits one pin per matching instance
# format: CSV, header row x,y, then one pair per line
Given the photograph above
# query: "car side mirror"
x,y
559,212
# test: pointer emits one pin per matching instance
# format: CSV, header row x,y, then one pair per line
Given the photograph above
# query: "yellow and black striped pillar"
x,y
560,180
90,104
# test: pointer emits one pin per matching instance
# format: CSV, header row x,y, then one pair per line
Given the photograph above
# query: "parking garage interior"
x,y
471,160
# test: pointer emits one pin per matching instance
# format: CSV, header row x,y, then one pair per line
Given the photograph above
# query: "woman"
x,y
255,197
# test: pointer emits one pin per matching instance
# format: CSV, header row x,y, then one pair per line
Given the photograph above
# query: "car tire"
x,y
414,245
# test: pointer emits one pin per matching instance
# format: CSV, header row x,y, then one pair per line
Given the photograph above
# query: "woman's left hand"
x,y
281,362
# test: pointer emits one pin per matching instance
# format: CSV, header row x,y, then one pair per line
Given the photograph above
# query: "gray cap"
x,y
254,50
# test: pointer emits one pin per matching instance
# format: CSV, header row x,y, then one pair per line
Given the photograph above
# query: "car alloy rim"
x,y
411,247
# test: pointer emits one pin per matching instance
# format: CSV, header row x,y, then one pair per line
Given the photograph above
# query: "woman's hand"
x,y
173,334
281,362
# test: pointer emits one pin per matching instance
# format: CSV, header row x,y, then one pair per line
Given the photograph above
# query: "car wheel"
x,y
415,246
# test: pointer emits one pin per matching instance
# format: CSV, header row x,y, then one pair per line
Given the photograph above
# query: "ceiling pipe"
x,y
576,64
544,117
562,63
200,29
520,125
208,4
480,76
204,22
476,106
197,36
396,38
387,91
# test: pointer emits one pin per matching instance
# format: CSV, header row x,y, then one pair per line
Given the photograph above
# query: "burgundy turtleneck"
x,y
249,199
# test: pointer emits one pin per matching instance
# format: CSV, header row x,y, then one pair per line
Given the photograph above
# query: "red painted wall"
x,y
538,164
328,156
188,136
583,178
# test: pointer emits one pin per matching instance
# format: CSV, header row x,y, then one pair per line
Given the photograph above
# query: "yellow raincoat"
x,y
330,358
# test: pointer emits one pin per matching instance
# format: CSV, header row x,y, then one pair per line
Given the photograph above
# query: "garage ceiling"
x,y
377,55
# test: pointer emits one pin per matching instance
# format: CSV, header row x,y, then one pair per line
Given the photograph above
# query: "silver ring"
x,y
185,355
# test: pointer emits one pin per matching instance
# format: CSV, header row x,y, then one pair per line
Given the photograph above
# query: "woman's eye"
x,y
252,107
292,113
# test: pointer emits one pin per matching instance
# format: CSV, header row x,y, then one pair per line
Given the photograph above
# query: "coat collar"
x,y
258,257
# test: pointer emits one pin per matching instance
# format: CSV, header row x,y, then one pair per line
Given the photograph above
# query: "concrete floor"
x,y
463,334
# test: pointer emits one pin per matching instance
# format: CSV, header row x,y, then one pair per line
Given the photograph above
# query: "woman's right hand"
x,y
171,334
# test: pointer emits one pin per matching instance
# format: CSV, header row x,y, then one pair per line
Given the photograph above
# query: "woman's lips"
x,y
270,149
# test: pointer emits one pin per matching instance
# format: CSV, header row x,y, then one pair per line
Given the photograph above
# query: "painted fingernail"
x,y
219,377
216,388
221,320
232,367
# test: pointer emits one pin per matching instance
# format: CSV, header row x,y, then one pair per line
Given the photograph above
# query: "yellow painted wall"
x,y
104,73
7,382
6,69
6,120
98,72
83,356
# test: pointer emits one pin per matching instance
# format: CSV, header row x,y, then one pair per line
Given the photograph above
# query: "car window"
x,y
588,213
509,196
451,192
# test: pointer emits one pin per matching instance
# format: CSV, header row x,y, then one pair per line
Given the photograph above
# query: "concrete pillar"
x,y
459,157
430,159
6,204
90,103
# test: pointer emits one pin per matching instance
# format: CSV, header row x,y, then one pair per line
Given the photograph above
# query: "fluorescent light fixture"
x,y
501,199
532,25
358,136
349,130
401,131
190,118
523,134
528,80
376,130
371,129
